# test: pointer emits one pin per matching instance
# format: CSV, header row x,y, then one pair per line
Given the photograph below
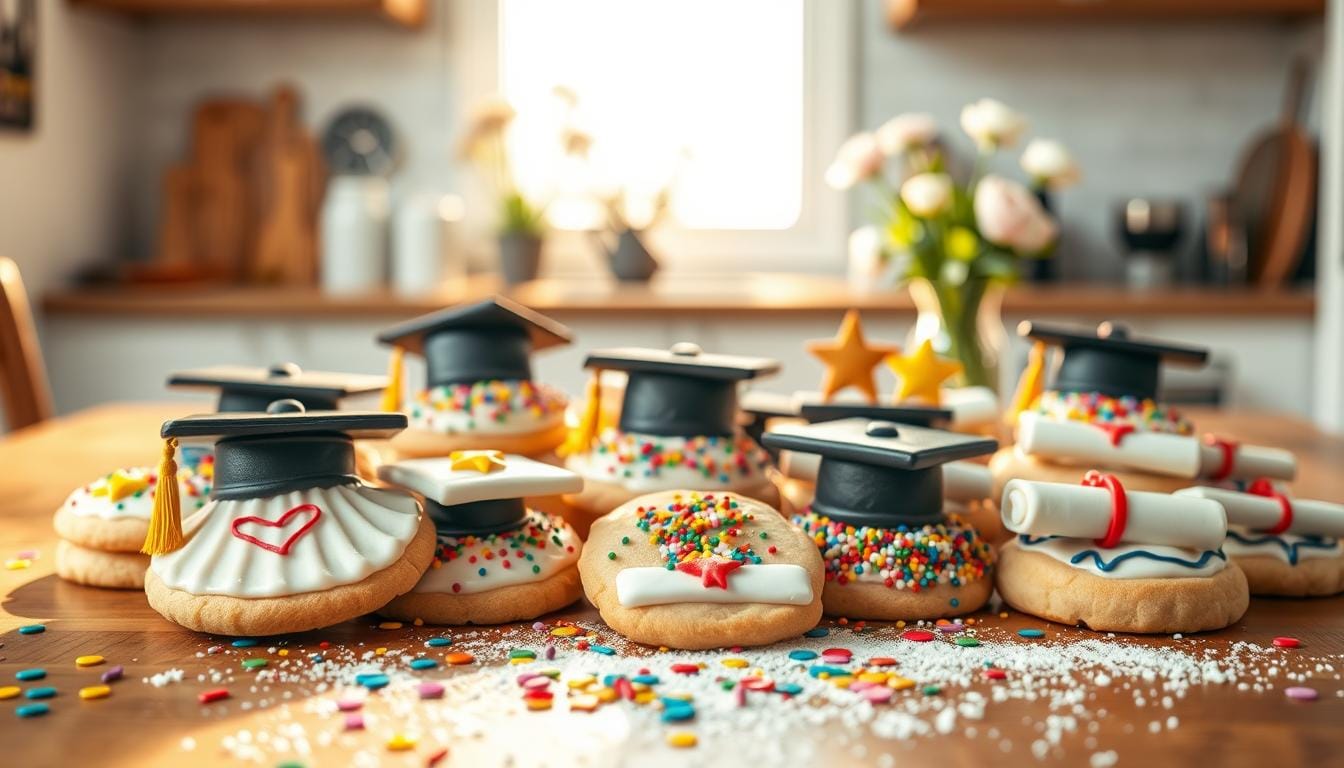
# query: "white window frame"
x,y
816,241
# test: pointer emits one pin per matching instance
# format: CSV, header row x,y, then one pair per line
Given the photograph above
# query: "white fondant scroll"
x,y
971,406
1160,453
962,480
772,583
1259,513
1083,512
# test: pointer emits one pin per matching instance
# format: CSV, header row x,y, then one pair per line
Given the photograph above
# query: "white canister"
x,y
354,234
422,231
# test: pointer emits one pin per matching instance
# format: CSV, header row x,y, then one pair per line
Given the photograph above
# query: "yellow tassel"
x,y
581,437
165,524
1030,385
392,394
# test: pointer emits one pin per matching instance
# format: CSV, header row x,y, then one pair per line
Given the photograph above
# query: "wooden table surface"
x,y
1071,717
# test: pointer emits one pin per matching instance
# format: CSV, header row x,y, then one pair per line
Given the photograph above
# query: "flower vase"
x,y
964,322
519,257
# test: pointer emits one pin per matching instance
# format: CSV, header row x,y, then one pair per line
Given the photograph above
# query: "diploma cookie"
x,y
1287,547
292,539
677,429
496,560
880,521
1101,556
112,513
695,570
478,391
1101,412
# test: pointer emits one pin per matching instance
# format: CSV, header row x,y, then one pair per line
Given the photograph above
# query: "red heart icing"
x,y
283,549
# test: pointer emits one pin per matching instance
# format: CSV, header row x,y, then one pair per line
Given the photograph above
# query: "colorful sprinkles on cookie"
x,y
507,550
901,557
698,526
490,402
1144,414
721,459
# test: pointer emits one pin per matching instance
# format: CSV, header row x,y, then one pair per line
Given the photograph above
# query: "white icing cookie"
x,y
647,463
488,408
129,493
1285,547
1128,561
292,543
466,565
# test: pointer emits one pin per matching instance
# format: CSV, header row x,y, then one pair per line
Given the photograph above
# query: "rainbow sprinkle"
x,y
699,526
1096,408
714,458
491,401
903,558
504,549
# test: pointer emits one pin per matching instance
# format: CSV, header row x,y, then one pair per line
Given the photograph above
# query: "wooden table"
x,y
144,725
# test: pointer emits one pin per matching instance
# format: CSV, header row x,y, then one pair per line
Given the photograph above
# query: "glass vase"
x,y
964,322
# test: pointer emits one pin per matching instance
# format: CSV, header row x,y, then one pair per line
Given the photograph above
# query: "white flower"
x,y
927,194
992,124
1009,215
905,132
1049,164
858,159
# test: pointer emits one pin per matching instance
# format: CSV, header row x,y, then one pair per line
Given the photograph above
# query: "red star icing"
x,y
713,572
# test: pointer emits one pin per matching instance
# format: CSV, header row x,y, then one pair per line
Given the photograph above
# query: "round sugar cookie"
x,y
97,568
705,600
1007,464
516,575
1271,576
418,443
207,611
1038,584
598,498
112,513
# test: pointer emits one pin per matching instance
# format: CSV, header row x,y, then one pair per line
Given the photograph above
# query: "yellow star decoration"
x,y
484,462
120,484
922,373
849,360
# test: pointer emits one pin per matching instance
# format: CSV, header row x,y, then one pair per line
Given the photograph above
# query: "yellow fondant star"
x,y
484,462
922,373
121,484
849,360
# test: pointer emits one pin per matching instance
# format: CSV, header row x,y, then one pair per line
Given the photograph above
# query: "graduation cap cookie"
x,y
701,569
1098,554
102,525
478,391
677,430
291,539
878,520
496,560
1101,411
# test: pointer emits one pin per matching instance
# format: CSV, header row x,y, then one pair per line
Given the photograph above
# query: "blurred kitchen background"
x,y
192,182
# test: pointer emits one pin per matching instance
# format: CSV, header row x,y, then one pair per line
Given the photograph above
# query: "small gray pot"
x,y
519,257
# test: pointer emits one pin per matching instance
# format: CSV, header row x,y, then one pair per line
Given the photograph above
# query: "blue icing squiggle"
x,y
1289,549
1106,566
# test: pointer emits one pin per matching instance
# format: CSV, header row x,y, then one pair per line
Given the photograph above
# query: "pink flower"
x,y
905,132
992,124
1050,164
858,159
1009,215
927,194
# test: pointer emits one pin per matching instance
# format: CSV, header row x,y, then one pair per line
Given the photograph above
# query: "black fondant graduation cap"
x,y
491,339
479,492
252,389
1108,360
681,391
761,406
286,448
879,473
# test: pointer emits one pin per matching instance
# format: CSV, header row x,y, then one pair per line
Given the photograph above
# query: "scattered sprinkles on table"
x,y
489,402
1095,408
900,557
511,549
698,526
718,459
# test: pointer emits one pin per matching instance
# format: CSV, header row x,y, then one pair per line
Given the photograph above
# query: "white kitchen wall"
x,y
1149,109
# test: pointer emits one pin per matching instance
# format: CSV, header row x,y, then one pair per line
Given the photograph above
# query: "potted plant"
x,y
954,242
521,225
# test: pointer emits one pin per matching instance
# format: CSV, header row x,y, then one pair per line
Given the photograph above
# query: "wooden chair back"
x,y
24,391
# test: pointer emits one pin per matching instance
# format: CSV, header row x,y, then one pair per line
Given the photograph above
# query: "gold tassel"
x,y
581,437
1030,385
165,524
392,394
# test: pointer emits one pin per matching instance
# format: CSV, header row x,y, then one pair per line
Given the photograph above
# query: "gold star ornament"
x,y
849,359
484,462
922,374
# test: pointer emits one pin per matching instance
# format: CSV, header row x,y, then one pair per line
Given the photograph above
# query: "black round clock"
x,y
359,142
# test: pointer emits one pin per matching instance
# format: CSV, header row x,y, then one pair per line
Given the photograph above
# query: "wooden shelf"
x,y
901,14
754,294
407,13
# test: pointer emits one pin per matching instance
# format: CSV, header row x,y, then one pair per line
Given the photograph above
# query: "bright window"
x,y
709,92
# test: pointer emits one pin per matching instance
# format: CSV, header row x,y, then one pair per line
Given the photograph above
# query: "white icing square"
x,y
438,481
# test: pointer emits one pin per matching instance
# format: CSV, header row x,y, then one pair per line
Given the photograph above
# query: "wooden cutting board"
x,y
291,178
